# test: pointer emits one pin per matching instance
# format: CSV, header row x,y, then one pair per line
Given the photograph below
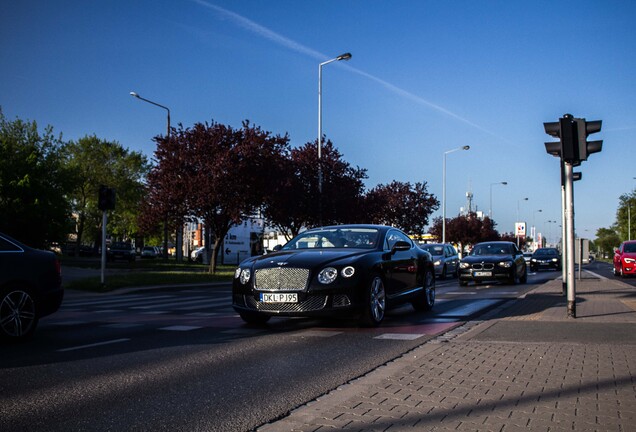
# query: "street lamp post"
x,y
345,56
533,231
165,226
491,185
444,190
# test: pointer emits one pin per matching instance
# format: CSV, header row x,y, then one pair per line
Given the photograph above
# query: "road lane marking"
x,y
96,344
399,336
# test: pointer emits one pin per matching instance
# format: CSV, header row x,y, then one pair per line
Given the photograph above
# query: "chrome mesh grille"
x,y
281,279
313,303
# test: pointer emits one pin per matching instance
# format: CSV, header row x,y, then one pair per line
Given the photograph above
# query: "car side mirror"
x,y
400,245
277,248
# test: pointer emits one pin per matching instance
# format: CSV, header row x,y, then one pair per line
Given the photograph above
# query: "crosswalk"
x,y
199,308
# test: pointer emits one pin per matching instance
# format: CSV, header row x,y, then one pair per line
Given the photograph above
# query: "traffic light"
x,y
584,129
573,146
106,199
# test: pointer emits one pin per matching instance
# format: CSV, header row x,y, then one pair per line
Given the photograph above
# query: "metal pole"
x,y
104,221
569,219
320,143
563,234
444,200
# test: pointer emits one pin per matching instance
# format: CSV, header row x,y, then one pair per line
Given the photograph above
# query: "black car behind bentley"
x,y
493,261
345,270
30,288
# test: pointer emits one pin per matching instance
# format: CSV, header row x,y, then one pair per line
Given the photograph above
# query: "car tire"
x,y
524,278
513,279
427,300
374,302
18,313
254,318
621,272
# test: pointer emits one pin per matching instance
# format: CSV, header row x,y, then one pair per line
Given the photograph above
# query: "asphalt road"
x,y
181,359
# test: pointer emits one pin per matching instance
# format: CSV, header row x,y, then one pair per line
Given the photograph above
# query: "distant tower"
x,y
469,202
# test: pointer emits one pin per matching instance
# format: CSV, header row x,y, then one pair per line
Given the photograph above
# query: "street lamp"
x,y
491,185
133,94
345,56
444,190
533,231
165,227
518,216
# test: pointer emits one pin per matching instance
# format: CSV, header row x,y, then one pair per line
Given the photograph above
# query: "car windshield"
x,y
630,247
434,249
364,238
492,249
546,252
120,245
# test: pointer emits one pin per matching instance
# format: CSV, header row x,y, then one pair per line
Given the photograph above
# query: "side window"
x,y
393,237
7,246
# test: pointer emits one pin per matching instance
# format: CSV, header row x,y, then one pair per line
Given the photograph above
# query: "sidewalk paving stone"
x,y
525,367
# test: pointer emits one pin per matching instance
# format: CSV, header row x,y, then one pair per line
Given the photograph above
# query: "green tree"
x,y
626,216
606,240
33,184
93,162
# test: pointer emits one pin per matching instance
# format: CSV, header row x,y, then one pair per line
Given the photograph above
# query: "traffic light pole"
x,y
568,213
564,263
104,222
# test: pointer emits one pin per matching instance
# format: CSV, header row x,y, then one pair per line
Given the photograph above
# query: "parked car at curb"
x,y
545,258
625,259
150,252
493,261
445,258
30,288
344,270
121,251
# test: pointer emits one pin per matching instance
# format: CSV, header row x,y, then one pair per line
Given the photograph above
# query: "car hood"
x,y
303,258
487,258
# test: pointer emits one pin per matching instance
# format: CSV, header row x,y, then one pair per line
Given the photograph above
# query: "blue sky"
x,y
425,77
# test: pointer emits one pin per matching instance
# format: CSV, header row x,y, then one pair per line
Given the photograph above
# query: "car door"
x,y
402,269
452,260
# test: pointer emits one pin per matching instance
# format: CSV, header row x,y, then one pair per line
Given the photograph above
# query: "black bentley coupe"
x,y
493,261
345,270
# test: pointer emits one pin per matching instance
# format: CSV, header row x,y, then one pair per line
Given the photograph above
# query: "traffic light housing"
x,y
572,146
584,129
106,199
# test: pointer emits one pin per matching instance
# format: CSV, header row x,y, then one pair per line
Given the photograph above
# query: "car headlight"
x,y
555,259
327,275
245,275
347,271
533,260
505,264
629,260
438,262
464,265
237,272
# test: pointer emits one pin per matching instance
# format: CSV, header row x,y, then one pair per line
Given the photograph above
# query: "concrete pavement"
x,y
524,366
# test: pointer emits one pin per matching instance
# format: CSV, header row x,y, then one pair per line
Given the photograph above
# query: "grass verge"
x,y
132,279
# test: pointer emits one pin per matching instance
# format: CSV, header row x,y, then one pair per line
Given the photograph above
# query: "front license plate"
x,y
483,273
279,297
